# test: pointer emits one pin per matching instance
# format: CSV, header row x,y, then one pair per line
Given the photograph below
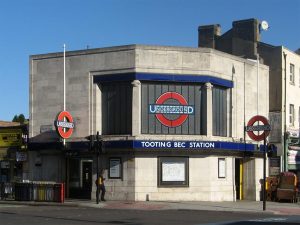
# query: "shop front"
x,y
13,153
141,170
293,152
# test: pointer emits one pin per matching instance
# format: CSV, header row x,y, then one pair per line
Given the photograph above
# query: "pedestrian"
x,y
101,180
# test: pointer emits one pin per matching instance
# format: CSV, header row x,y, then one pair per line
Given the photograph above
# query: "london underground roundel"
x,y
64,124
250,128
171,114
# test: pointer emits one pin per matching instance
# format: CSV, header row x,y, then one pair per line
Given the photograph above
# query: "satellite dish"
x,y
264,25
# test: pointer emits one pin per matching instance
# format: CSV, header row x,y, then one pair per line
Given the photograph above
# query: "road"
x,y
46,215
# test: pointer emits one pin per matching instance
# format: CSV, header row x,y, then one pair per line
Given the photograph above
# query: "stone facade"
x,y
139,179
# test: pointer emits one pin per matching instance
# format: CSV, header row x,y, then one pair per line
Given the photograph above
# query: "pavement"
x,y
275,208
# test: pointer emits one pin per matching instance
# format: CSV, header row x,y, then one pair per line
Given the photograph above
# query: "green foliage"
x,y
15,119
19,118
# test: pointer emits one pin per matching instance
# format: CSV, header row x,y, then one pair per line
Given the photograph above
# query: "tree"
x,y
19,118
15,119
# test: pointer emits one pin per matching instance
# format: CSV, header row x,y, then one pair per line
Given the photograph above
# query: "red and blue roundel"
x,y
171,109
64,124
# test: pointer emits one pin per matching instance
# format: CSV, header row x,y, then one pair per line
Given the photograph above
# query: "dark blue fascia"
x,y
185,145
163,77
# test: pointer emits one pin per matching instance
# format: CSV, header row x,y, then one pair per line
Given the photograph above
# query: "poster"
x,y
115,168
173,171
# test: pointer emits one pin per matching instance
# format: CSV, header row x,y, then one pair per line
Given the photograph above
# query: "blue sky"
x,y
30,27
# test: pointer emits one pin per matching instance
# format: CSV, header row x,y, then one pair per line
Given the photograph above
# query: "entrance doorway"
x,y
239,178
86,178
80,178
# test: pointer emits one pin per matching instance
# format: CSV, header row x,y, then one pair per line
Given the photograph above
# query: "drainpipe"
x,y
284,134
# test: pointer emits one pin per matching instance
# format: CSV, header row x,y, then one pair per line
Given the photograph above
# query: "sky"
x,y
30,27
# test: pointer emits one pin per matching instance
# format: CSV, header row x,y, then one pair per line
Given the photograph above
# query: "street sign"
x,y
265,128
259,137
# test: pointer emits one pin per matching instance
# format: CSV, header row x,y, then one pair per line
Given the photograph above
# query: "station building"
x,y
171,122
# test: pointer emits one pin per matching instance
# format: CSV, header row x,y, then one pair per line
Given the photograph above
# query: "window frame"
x,y
292,74
165,159
120,172
299,76
116,108
220,111
292,114
220,168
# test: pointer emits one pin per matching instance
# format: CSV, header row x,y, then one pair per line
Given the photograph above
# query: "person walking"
x,y
102,185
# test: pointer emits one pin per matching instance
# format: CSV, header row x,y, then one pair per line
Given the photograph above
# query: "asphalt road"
x,y
46,215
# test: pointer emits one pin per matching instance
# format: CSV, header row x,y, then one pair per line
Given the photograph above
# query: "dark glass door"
x,y
86,177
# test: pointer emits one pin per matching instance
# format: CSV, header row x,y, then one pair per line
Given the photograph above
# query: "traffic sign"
x,y
265,128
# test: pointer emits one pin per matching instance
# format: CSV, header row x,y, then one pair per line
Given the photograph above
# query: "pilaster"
x,y
207,109
136,107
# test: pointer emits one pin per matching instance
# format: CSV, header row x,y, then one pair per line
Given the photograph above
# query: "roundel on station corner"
x,y
171,109
64,124
265,128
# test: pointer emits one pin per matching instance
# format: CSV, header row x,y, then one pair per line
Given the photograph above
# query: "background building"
x,y
13,151
244,40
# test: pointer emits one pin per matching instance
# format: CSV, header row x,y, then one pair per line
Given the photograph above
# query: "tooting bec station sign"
x,y
251,128
64,124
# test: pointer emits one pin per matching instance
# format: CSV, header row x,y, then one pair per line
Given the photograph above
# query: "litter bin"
x,y
59,192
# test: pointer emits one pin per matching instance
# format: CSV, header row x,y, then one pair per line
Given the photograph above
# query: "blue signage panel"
x,y
184,145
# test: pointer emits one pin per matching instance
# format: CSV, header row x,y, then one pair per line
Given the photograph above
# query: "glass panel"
x,y
171,108
219,102
173,171
74,173
116,108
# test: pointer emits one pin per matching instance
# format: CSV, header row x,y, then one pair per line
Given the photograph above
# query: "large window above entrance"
x,y
171,108
219,101
116,108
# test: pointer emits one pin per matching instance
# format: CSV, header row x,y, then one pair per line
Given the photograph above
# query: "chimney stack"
x,y
246,30
208,34
245,36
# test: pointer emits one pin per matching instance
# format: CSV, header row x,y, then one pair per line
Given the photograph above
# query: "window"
x,y
116,108
74,174
299,77
173,171
299,116
219,101
292,115
221,168
115,168
152,91
292,73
